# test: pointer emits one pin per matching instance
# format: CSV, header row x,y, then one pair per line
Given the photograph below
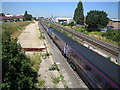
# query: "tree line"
x,y
95,19
26,17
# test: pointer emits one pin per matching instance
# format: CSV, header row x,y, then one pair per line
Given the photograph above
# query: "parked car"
x,y
110,27
104,29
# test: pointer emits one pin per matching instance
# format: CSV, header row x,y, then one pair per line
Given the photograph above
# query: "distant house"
x,y
7,18
115,23
11,18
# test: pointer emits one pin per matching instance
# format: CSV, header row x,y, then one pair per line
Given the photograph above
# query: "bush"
x,y
112,35
17,73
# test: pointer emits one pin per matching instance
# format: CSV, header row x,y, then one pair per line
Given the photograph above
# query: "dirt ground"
x,y
30,37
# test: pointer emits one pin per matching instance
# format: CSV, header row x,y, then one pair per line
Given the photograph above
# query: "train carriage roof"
x,y
111,69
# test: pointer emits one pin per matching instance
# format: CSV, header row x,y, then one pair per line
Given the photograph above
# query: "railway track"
x,y
112,49
80,75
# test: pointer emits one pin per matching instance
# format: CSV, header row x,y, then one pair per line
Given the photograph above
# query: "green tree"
x,y
35,18
17,73
96,20
25,13
2,14
78,14
27,16
71,24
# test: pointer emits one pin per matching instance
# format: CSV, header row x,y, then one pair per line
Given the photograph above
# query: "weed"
x,y
66,86
109,58
45,55
41,83
41,36
56,80
54,67
62,77
35,61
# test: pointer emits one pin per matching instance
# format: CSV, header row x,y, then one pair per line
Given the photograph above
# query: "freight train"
x,y
100,72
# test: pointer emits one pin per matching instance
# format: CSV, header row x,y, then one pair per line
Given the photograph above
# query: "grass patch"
x,y
41,35
45,55
41,83
103,38
35,61
98,35
14,27
80,29
66,86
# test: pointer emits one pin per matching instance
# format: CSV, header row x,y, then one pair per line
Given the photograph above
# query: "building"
x,y
8,15
63,20
4,18
115,23
11,18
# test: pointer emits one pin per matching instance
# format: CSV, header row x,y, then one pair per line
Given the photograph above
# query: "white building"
x,y
63,20
8,15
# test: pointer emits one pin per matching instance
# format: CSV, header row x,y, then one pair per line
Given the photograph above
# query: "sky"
x,y
46,9
59,0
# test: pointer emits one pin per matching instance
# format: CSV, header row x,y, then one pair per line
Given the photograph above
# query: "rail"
x,y
112,49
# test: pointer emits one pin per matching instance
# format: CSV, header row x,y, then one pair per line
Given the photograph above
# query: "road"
x,y
71,77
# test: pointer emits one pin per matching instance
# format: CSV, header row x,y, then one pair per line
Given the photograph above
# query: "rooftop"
x,y
115,19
